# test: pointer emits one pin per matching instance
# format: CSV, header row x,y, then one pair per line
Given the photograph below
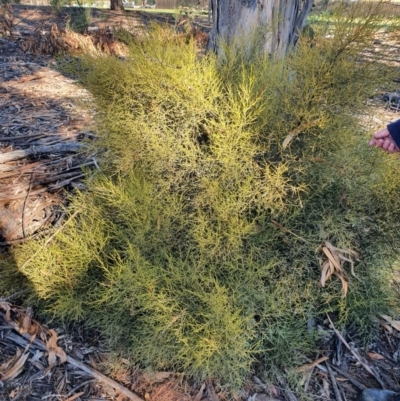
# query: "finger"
x,y
378,143
381,134
386,144
391,148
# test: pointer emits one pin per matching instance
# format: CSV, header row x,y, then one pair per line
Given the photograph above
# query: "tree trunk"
x,y
117,5
277,21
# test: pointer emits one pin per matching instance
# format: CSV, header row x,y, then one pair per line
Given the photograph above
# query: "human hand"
x,y
382,139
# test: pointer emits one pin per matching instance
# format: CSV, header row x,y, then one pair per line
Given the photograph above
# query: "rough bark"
x,y
117,5
278,21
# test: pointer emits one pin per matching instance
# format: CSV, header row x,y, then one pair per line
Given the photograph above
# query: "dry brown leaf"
x,y
61,354
25,323
34,329
156,377
298,130
311,365
199,395
92,362
15,392
6,307
6,364
326,274
334,251
387,327
375,356
344,284
16,367
53,351
51,359
332,258
394,323
75,396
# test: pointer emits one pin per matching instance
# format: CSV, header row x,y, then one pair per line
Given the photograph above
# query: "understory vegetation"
x,y
198,245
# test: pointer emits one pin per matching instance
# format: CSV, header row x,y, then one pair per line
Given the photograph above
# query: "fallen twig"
x,y
22,154
99,376
290,395
334,383
285,230
65,182
310,366
357,356
25,239
260,383
351,379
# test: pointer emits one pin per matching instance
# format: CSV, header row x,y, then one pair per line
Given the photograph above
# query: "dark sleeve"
x,y
394,130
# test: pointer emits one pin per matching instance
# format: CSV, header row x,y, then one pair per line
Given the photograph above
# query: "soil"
x,y
47,116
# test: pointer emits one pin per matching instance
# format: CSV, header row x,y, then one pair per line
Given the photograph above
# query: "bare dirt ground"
x,y
43,119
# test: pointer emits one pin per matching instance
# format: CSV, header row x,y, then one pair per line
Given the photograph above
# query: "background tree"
x,y
117,5
279,21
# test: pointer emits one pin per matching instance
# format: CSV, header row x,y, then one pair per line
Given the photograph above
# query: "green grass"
x,y
198,245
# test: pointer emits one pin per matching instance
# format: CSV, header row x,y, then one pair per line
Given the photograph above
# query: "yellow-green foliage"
x,y
197,246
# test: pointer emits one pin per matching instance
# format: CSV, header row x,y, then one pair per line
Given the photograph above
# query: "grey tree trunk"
x,y
117,5
277,21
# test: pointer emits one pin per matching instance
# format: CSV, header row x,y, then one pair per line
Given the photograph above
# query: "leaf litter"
x,y
48,361
41,128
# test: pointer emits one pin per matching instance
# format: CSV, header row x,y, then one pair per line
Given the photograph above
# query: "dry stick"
x,y
94,373
308,379
285,230
34,77
342,392
22,154
358,357
22,240
65,182
334,383
260,383
78,387
290,395
99,376
58,177
351,379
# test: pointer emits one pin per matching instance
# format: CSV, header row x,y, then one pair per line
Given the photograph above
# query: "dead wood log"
x,y
24,153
